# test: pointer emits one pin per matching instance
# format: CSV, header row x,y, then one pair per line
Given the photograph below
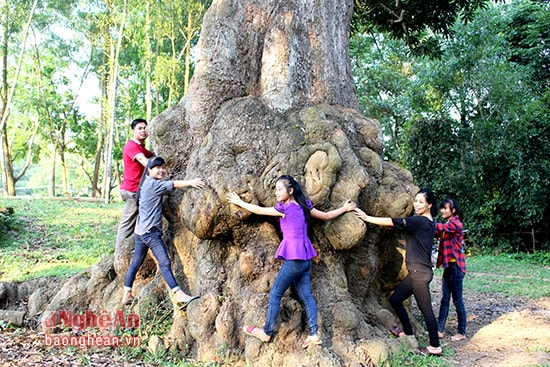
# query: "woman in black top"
x,y
419,230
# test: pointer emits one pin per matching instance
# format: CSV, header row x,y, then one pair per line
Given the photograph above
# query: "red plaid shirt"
x,y
450,236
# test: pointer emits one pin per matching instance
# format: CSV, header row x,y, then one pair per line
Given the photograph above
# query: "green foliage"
x,y
416,22
474,123
56,237
382,71
7,220
528,33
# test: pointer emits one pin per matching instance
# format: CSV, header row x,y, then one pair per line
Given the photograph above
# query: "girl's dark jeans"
x,y
151,240
452,285
418,284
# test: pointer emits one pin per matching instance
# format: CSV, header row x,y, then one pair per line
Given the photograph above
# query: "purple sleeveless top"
x,y
295,244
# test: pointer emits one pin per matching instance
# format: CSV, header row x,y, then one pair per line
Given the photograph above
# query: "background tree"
x,y
13,13
42,96
528,36
383,74
176,32
55,102
494,110
115,31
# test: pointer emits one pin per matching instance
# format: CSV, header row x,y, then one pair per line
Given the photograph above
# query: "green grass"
x,y
55,237
407,358
505,274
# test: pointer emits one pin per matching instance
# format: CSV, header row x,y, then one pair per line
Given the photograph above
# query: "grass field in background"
x,y
55,237
515,276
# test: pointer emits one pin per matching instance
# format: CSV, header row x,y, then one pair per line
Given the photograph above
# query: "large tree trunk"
x,y
272,94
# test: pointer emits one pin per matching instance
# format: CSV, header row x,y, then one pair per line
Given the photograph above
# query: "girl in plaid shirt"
x,y
451,258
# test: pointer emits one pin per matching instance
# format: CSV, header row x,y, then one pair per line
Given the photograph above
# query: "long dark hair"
x,y
297,193
430,199
453,204
151,163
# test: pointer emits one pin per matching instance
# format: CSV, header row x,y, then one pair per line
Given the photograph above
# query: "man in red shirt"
x,y
135,157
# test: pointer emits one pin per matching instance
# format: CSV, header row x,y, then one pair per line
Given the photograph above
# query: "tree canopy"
x,y
417,22
473,122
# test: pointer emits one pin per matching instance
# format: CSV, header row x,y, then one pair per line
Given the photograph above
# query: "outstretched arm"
x,y
197,183
374,220
142,159
347,207
452,226
233,198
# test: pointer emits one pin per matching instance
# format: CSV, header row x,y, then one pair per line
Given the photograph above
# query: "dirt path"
x,y
502,331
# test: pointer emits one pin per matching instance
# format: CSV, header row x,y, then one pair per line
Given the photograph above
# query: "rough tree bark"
x,y
272,94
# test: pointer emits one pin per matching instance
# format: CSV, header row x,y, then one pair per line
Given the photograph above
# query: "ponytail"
x,y
430,199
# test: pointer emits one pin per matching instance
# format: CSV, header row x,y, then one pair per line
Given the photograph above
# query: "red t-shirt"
x,y
133,170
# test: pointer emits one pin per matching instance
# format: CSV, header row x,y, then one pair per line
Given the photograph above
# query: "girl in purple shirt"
x,y
294,210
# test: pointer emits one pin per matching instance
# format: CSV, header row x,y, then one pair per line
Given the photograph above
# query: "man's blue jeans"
x,y
452,285
296,273
151,240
